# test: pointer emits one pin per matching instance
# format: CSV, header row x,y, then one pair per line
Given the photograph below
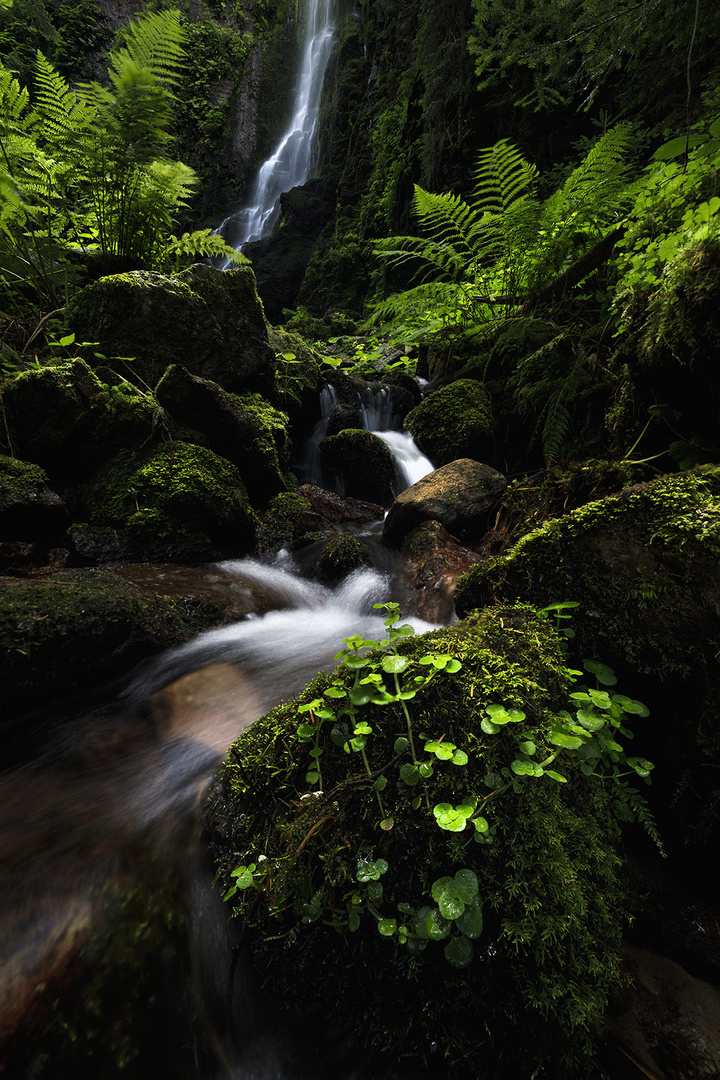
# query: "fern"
x,y
493,251
201,244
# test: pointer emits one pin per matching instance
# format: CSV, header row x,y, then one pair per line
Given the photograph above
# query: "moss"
x,y
341,555
554,904
364,462
75,630
19,479
178,501
280,522
453,422
643,566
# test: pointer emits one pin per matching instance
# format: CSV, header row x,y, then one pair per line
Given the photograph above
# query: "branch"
x,y
565,281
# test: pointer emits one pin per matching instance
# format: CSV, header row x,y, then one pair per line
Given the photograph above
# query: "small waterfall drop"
x,y
380,418
294,157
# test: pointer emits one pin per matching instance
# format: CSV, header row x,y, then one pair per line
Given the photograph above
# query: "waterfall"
x,y
380,418
294,157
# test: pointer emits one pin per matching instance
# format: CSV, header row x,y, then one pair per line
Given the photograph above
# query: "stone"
x,y
246,432
459,495
209,321
337,509
454,422
363,462
29,509
433,563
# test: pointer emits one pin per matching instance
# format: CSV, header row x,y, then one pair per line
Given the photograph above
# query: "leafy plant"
x,y
484,257
88,167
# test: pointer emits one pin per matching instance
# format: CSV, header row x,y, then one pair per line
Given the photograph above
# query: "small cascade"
x,y
294,157
380,417
410,464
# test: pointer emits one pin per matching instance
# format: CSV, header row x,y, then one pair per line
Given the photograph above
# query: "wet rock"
x,y
338,510
433,564
642,565
211,706
177,501
364,463
459,495
29,510
62,417
209,321
76,630
454,422
340,556
246,431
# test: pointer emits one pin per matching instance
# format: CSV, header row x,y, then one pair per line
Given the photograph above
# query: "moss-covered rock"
x,y
285,520
209,321
553,903
75,630
643,565
29,510
454,422
364,463
247,430
178,501
65,419
340,556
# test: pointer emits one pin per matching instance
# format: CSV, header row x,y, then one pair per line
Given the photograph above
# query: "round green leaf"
x,y
401,744
489,727
436,927
569,742
471,920
591,721
459,952
468,884
335,692
394,664
353,921
459,758
387,927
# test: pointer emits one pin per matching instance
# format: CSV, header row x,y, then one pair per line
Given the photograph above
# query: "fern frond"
x,y
201,244
154,41
448,219
502,175
59,110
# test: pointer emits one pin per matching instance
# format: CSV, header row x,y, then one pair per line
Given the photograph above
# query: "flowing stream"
x,y
93,829
292,162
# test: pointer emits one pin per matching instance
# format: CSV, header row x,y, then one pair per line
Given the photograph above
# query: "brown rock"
x,y
458,495
434,562
337,510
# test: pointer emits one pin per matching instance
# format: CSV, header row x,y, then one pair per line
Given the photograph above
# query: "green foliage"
x,y
89,166
484,257
676,206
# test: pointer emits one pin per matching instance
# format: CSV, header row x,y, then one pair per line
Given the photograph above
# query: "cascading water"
x,y
294,157
380,417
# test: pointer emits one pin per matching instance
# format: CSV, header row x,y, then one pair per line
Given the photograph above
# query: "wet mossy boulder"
x,y
340,556
177,501
363,885
643,566
29,510
459,495
75,630
364,463
454,422
64,418
245,430
287,518
209,321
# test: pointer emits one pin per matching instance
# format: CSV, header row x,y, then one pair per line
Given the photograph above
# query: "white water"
x,y
294,157
376,408
282,650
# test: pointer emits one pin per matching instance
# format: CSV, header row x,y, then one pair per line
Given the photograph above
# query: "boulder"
x,y
363,462
76,630
244,430
65,419
337,510
347,905
177,501
340,556
29,510
459,495
454,422
643,566
433,563
209,321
